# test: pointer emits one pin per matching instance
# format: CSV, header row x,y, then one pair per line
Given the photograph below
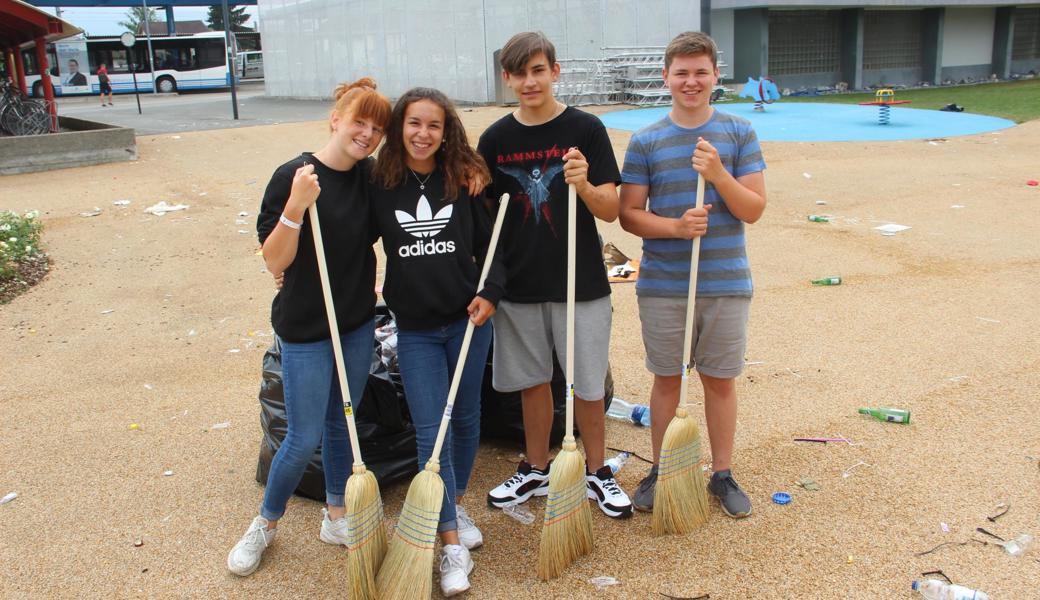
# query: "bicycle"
x,y
19,115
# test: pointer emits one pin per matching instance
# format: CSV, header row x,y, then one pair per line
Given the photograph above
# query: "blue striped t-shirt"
x,y
659,156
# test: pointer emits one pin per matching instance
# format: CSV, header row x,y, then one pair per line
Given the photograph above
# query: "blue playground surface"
x,y
819,122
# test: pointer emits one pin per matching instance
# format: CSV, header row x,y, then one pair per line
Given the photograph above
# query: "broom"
x,y
680,500
567,527
366,538
407,571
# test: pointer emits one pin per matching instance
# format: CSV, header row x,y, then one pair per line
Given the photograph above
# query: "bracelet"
x,y
284,220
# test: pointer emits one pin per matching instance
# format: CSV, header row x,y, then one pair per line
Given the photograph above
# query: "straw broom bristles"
x,y
567,527
680,499
366,538
407,572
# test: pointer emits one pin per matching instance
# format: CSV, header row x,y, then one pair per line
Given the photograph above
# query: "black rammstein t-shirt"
x,y
434,251
298,310
527,162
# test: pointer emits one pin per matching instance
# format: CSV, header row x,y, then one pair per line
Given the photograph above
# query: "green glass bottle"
x,y
827,281
819,219
892,415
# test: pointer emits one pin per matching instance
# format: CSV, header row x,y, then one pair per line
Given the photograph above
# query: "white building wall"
x,y
310,45
968,37
722,33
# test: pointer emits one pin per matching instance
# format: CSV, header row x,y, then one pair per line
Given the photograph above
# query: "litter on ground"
x,y
603,581
162,208
891,228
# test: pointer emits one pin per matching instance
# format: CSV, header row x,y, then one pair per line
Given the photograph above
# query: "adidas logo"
x,y
425,224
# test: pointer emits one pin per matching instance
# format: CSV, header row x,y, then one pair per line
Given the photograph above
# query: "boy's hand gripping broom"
x,y
567,528
366,536
680,498
407,572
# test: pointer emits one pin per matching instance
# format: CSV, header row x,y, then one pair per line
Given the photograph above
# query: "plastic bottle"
x,y
933,589
628,411
519,513
892,415
819,219
827,281
618,461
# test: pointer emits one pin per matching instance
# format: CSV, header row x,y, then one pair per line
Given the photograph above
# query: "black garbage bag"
x,y
384,425
501,413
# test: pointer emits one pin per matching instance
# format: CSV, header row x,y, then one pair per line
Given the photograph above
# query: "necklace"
x,y
422,182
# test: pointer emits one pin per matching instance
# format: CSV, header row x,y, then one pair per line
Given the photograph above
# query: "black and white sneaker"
x,y
603,488
526,482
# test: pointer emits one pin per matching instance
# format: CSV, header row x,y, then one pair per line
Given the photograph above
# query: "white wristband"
x,y
284,220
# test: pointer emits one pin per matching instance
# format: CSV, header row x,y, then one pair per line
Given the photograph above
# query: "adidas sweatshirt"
x,y
434,251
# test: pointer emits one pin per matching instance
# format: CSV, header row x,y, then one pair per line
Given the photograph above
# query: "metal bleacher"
x,y
626,74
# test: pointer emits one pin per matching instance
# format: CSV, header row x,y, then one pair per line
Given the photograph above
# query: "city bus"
x,y
188,62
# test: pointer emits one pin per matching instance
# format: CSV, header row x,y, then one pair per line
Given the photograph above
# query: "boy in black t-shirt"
x,y
534,154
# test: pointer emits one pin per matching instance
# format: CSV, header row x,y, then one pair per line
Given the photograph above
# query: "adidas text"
x,y
430,247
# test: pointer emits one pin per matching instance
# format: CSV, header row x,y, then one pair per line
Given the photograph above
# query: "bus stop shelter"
x,y
21,26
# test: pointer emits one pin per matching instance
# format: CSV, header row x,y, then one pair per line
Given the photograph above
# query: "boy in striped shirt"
x,y
662,164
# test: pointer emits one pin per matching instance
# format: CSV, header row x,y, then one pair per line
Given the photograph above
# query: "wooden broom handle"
x,y
691,302
337,348
572,228
464,351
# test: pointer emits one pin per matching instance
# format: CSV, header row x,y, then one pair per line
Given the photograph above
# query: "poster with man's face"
x,y
73,67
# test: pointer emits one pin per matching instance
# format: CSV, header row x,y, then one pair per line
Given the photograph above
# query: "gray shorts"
x,y
525,335
719,336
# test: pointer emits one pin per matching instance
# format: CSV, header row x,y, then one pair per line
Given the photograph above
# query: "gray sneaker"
x,y
643,500
734,501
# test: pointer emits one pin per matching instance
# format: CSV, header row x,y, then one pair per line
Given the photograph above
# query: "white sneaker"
x,y
244,558
333,532
456,565
469,535
526,482
603,488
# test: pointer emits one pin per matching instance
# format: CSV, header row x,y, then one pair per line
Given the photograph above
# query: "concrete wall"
x,y
448,44
968,37
722,33
887,4
80,143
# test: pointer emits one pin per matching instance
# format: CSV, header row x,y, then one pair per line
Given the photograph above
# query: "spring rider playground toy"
x,y
762,91
884,99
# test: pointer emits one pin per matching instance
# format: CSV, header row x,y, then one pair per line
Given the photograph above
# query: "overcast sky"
x,y
104,21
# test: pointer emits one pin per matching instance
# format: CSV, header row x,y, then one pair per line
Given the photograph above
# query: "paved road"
x,y
168,113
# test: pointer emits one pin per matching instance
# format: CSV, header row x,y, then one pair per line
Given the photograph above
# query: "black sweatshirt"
x,y
298,310
434,251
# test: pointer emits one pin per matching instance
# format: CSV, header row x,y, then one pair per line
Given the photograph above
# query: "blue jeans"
x,y
428,358
314,408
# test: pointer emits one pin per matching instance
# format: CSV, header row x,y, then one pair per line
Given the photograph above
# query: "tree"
x,y
237,14
135,19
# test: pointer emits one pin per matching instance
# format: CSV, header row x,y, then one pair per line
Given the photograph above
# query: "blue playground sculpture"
x,y
762,91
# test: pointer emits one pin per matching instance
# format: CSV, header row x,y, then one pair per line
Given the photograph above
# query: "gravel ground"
x,y
161,323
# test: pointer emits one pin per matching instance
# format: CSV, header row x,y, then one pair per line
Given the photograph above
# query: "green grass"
x,y
1018,101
